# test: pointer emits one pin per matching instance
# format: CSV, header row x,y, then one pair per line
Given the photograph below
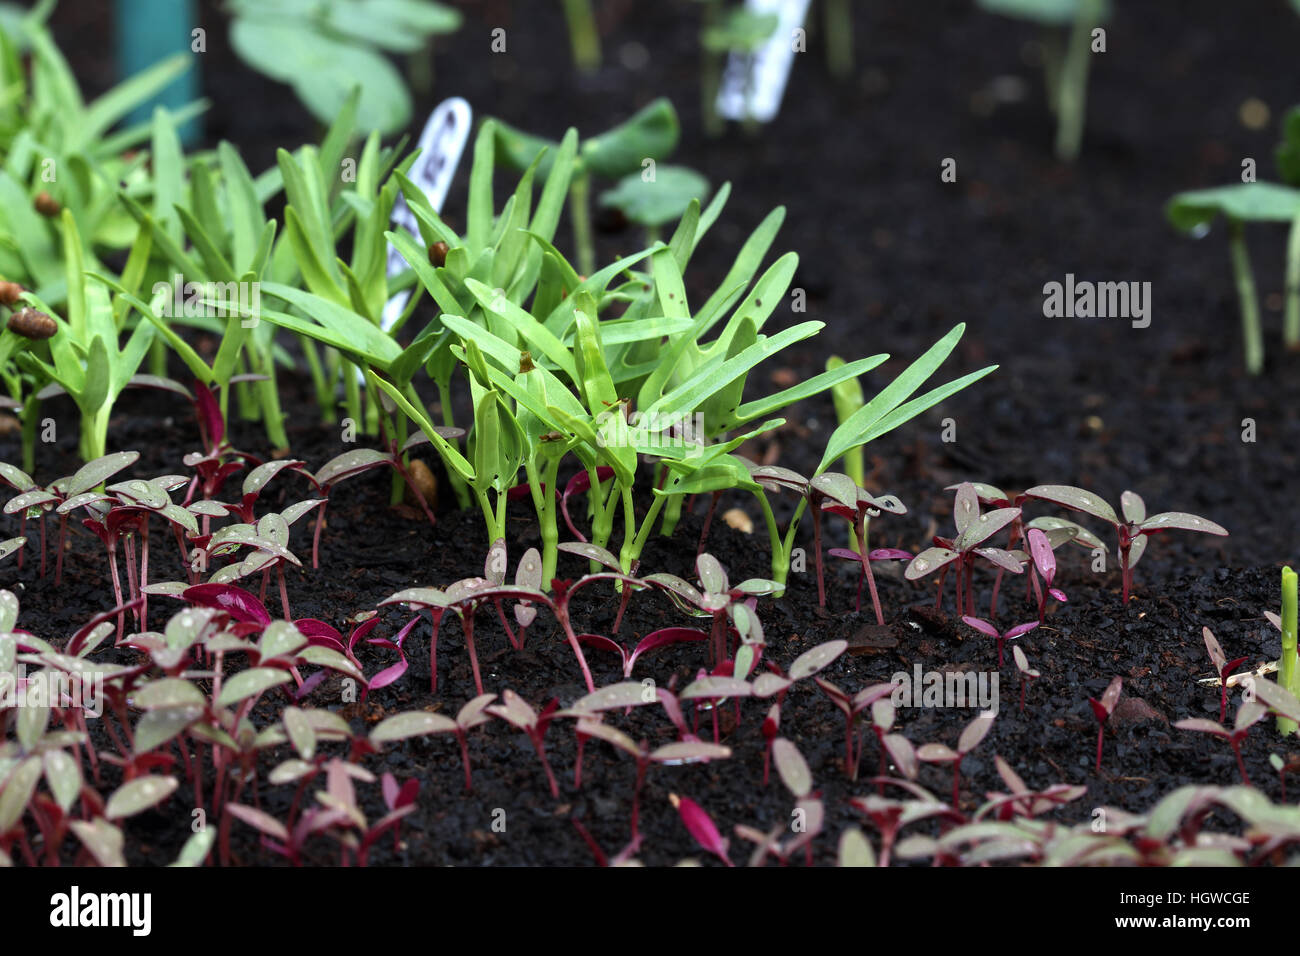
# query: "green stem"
x,y
580,211
458,484
1053,65
1073,95
1291,333
583,36
838,18
31,424
269,395
1287,675
324,393
1252,335
710,76
643,532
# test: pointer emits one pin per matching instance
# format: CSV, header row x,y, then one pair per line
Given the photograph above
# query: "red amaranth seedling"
x,y
701,827
1133,529
673,754
660,638
984,627
890,816
420,722
876,554
856,506
973,529
719,600
515,711
32,497
1248,715
1042,562
850,707
1102,709
970,738
1026,672
1223,668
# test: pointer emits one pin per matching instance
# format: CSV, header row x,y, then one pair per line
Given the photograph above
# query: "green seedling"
x,y
726,30
322,48
1288,674
652,199
584,38
1067,42
1251,201
84,356
650,134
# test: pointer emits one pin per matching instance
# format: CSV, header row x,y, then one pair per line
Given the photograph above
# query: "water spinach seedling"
x,y
1288,673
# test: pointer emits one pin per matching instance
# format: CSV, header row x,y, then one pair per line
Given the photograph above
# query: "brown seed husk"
x,y
47,205
33,324
423,479
9,292
438,254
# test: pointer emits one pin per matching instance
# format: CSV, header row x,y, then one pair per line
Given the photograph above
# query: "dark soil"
x,y
891,257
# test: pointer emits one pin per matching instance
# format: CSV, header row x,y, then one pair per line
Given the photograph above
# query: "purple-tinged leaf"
x,y
1077,499
903,754
419,598
139,795
102,840
1181,521
1022,662
816,659
29,499
712,577
1203,725
984,527
689,751
1020,629
412,724
973,733
624,694
965,507
1277,697
1132,507
775,478
238,603
96,472
838,487
350,464
662,638
472,714
259,820
514,710
981,625
16,478
792,768
592,552
210,418
855,849
250,683
929,561
1040,550
713,688
700,825
768,684
936,753
1002,558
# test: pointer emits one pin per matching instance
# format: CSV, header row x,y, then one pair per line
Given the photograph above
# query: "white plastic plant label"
x,y
441,145
753,83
